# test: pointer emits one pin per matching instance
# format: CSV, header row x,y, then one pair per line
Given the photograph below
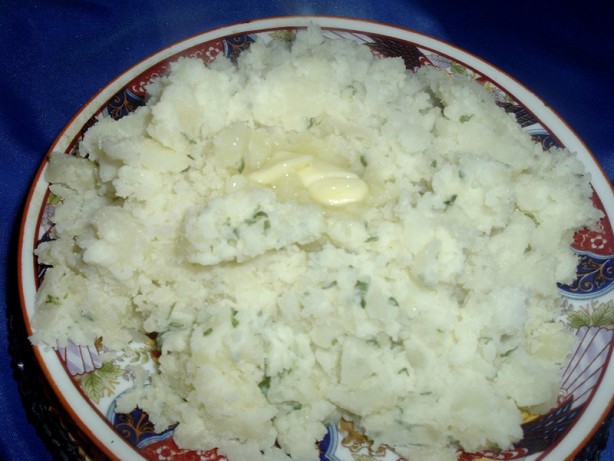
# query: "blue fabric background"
x,y
54,55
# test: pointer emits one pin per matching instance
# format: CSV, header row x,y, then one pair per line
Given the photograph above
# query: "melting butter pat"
x,y
338,191
271,173
326,183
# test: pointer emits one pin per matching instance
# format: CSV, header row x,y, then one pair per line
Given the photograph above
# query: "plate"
x,y
88,384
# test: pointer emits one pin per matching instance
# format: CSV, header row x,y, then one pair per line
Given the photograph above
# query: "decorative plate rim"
x,y
90,420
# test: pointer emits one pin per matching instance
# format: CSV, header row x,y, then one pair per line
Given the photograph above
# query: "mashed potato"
x,y
315,233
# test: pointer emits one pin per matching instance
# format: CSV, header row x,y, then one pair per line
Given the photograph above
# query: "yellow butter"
x,y
318,170
327,184
270,174
338,191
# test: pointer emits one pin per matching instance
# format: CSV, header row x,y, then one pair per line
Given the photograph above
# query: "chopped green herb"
x,y
258,215
373,238
361,288
363,161
426,393
241,166
233,318
312,122
434,163
465,118
296,405
508,353
532,217
393,301
450,201
265,384
187,138
373,341
208,332
53,299
334,341
404,370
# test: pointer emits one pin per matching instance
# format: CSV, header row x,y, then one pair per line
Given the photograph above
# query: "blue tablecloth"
x,y
55,54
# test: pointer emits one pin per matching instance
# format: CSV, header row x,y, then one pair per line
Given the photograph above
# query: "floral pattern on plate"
x,y
587,310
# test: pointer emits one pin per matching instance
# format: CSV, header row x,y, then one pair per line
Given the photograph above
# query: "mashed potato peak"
x,y
315,233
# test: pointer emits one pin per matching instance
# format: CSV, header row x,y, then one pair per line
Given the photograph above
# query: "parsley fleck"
x,y
450,201
532,217
188,138
508,353
265,384
233,318
257,216
312,122
296,405
361,288
53,300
